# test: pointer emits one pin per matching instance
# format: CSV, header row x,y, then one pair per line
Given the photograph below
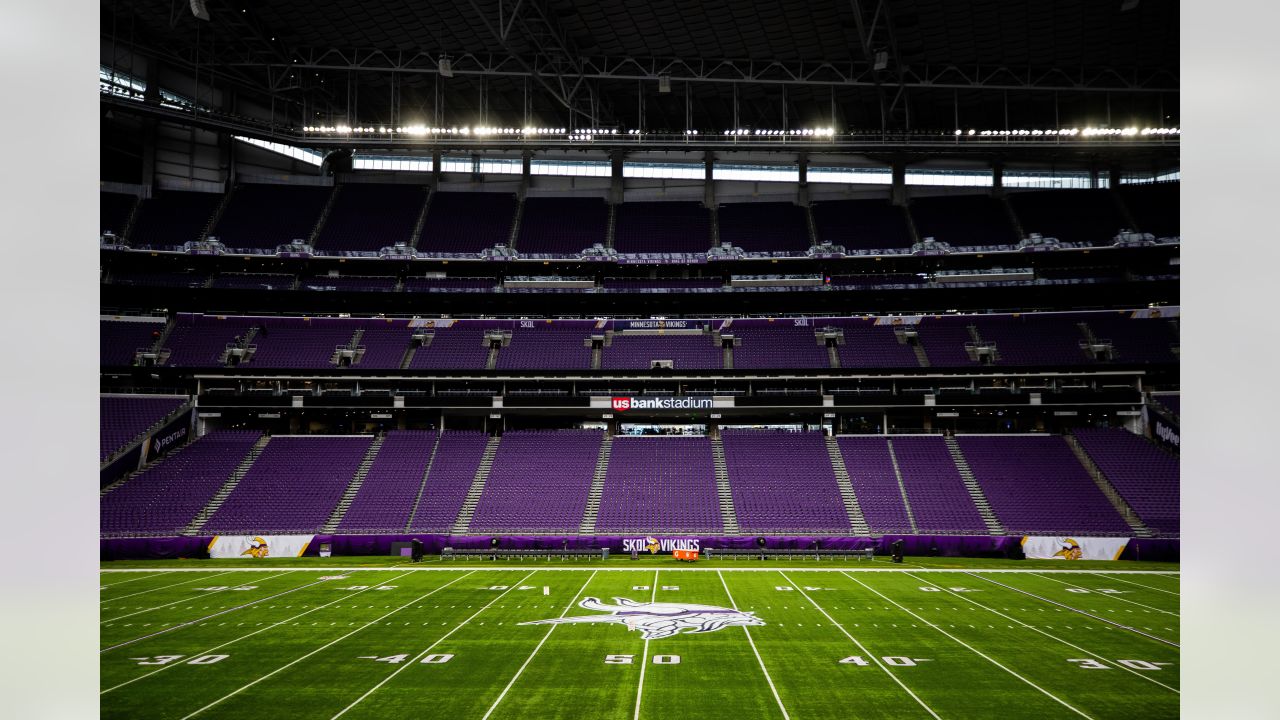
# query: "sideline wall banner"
x,y
258,546
1060,547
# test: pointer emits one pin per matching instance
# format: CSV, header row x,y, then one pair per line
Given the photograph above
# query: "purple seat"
x,y
264,216
386,497
170,218
686,352
1146,476
539,482
874,483
662,227
1089,216
764,227
562,225
452,472
861,224
939,500
963,220
783,482
371,216
660,484
467,222
120,340
122,418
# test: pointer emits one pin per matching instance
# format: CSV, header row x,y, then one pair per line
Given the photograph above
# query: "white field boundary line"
x,y
183,600
122,582
860,646
348,596
1094,591
1012,571
1077,610
189,623
759,659
529,659
1149,587
162,587
976,651
645,662
1052,637
368,624
432,646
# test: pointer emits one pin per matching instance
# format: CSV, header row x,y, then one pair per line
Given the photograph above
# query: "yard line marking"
x,y
759,659
423,654
1054,637
861,647
1149,587
640,688
122,582
1082,612
1114,597
162,587
186,600
255,632
529,659
326,645
970,647
189,623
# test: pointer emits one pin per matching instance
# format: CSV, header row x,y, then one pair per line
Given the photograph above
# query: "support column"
x,y
802,196
526,162
616,158
709,186
898,192
997,178
435,170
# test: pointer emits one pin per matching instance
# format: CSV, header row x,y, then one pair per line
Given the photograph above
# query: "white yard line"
x,y
423,654
1048,635
189,623
1078,611
529,659
122,582
183,600
1149,587
162,587
456,568
255,632
759,659
861,647
331,643
645,663
976,651
1093,591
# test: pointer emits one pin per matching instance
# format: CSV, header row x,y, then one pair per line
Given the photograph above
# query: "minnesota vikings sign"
x,y
657,620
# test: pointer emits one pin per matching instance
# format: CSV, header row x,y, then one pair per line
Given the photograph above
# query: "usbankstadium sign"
x,y
632,402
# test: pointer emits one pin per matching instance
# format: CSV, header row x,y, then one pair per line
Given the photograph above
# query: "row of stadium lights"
x,y
1086,132
807,132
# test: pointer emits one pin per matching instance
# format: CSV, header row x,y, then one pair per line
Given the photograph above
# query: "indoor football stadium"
x,y
466,360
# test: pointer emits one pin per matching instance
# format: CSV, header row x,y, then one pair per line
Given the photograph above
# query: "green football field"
x,y
939,638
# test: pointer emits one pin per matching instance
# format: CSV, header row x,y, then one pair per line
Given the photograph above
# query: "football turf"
x,y
959,639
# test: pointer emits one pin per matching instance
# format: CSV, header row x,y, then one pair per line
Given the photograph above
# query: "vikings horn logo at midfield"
x,y
658,620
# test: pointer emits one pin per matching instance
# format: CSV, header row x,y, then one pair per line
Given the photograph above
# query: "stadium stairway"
x,y
353,487
220,497
463,523
423,486
856,520
1140,528
975,491
589,517
725,493
902,486
324,215
422,221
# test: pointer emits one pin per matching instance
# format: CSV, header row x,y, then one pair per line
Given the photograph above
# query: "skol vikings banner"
x,y
258,546
1073,548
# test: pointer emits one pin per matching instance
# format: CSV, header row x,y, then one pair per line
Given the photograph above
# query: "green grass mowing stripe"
x,y
162,587
860,646
1048,635
981,654
220,613
538,647
429,648
182,600
1086,613
276,624
290,664
1107,595
653,597
772,688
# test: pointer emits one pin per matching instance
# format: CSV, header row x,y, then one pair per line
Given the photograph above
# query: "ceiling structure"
x,y
665,66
